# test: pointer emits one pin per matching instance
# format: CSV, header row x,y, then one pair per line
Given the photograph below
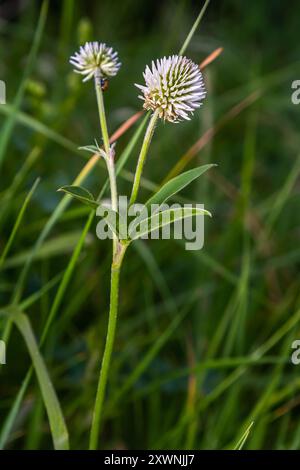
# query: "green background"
x,y
204,338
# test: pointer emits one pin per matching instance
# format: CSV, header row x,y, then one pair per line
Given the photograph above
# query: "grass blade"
x,y
193,29
56,420
242,440
17,223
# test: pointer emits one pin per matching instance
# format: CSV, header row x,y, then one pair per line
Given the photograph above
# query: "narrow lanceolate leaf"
x,y
113,219
56,420
162,219
177,184
81,194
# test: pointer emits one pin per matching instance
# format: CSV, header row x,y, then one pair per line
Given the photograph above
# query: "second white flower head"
x,y
96,57
174,86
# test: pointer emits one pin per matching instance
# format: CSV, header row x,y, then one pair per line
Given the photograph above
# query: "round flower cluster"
x,y
174,86
96,58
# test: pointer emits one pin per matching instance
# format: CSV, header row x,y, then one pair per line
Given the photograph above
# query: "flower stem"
x,y
101,109
118,254
109,156
142,157
110,337
113,184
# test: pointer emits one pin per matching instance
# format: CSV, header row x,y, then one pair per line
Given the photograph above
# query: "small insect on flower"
x,y
174,86
104,84
96,59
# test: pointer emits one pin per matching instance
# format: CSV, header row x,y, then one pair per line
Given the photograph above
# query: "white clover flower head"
x,y
174,87
96,58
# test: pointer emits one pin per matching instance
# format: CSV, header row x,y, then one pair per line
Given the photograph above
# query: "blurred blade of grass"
x,y
34,436
75,303
75,213
236,335
8,325
41,128
285,392
10,122
13,412
211,58
193,29
283,433
12,190
29,301
54,247
56,420
18,223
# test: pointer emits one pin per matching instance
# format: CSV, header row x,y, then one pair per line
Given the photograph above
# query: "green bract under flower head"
x,y
174,86
95,58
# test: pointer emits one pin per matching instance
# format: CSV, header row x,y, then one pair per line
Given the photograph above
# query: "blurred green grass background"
x,y
204,337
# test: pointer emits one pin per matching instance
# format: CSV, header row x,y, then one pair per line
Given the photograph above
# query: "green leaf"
x,y
113,219
56,420
95,149
81,194
90,148
177,184
163,218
